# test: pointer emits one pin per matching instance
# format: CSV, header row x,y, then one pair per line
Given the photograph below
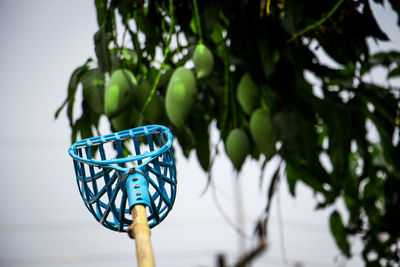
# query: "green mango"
x,y
262,132
180,95
237,147
119,92
247,94
203,61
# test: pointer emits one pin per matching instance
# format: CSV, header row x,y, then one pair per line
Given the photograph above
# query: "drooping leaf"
x,y
370,26
93,89
83,125
124,8
72,87
292,177
102,11
102,39
384,58
272,188
338,128
394,73
218,40
202,138
186,140
339,233
396,7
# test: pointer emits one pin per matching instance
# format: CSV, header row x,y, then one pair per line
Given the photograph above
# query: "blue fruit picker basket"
x,y
117,186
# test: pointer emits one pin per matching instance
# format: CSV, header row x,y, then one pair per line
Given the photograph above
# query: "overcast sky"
x,y
44,221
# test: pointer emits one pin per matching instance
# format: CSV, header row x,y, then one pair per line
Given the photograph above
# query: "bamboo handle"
x,y
140,231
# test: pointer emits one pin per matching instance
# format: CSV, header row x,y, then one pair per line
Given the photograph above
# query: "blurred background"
x,y
44,221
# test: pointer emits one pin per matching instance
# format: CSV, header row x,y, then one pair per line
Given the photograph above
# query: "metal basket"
x,y
111,181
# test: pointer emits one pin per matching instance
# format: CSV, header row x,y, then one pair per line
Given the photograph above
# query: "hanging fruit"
x,y
203,61
119,92
247,94
180,95
262,132
237,147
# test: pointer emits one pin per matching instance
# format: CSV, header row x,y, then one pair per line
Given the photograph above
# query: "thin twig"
x,y
123,36
316,24
262,172
114,33
197,18
226,92
209,170
166,51
223,213
251,255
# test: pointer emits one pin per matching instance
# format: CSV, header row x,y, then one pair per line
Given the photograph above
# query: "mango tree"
x,y
244,65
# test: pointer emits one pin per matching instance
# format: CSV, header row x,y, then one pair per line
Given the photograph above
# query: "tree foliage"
x,y
275,44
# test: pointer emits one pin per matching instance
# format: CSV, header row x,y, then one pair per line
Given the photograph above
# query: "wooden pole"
x,y
140,231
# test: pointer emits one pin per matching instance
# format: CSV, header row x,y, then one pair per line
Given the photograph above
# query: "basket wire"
x,y
111,186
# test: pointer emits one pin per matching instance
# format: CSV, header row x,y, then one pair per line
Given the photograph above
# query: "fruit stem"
x,y
234,111
226,92
114,33
197,18
166,52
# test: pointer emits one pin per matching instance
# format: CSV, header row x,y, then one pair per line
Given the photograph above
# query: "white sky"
x,y
44,222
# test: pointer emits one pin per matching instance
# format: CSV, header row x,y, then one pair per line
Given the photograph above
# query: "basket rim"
x,y
122,135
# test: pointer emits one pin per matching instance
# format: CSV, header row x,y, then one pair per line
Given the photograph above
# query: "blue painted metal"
x,y
111,186
137,189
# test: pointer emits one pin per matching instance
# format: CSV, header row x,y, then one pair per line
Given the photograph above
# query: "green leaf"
x,y
202,138
72,87
218,39
292,16
292,178
369,25
337,118
84,128
378,157
93,89
385,103
394,73
84,124
130,56
384,58
269,99
268,56
193,25
186,140
297,134
396,7
339,233
124,8
136,46
101,42
101,10
223,18
272,187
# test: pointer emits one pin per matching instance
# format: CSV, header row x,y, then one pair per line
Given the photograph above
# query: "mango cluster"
x,y
126,97
260,125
